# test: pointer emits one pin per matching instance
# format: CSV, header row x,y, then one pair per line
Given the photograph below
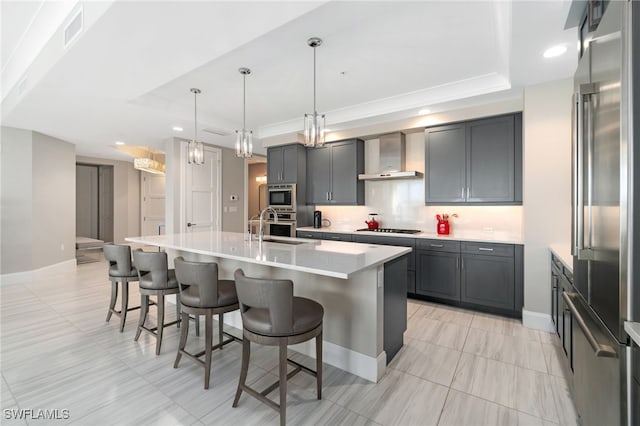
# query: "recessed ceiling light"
x,y
177,128
424,111
555,51
120,143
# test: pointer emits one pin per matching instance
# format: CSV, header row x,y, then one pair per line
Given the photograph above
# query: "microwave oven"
x,y
282,196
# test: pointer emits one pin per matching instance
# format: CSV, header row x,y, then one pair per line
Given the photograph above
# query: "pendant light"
x,y
244,137
314,123
195,149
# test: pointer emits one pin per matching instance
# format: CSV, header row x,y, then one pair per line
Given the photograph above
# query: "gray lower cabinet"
x,y
561,282
310,234
477,275
475,162
332,173
286,164
337,237
439,274
396,241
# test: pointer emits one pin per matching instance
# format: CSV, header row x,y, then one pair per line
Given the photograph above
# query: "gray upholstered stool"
x,y
155,279
271,315
202,293
121,271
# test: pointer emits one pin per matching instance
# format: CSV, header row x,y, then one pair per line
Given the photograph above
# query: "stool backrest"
x,y
276,296
119,257
203,275
153,269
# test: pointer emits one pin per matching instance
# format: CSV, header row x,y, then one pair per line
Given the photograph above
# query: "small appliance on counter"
x,y
372,223
317,219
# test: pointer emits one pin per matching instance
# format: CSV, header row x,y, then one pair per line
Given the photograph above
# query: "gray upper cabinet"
x,y
475,162
445,164
286,164
332,173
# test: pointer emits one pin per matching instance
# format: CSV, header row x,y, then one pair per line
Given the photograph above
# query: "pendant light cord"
x,y
244,102
195,116
314,81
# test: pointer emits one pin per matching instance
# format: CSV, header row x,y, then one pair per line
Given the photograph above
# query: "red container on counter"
x,y
443,227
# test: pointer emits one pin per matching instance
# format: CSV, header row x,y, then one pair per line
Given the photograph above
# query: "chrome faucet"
x,y
255,216
275,219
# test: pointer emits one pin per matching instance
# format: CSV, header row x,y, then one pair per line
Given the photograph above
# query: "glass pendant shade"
x,y
313,130
244,143
314,123
244,137
195,149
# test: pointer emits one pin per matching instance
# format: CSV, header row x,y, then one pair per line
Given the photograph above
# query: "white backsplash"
x,y
399,203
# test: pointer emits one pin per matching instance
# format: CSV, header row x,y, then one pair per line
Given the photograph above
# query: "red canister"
x,y
443,227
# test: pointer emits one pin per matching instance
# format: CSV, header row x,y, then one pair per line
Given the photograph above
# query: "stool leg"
x,y
144,309
125,303
183,338
197,321
220,325
160,323
178,305
319,364
208,342
246,353
283,382
112,302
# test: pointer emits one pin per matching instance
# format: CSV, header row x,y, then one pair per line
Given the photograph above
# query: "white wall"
x,y
16,167
38,201
126,197
54,200
547,184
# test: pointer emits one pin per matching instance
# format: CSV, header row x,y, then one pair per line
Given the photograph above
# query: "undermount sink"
x,y
293,243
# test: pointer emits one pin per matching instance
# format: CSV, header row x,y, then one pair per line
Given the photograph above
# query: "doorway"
x,y
256,186
94,201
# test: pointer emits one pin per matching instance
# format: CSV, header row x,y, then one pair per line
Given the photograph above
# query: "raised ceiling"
x,y
128,74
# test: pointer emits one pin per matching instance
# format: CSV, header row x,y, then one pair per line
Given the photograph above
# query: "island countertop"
x,y
320,257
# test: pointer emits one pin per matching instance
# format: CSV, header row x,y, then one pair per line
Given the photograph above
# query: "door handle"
x,y
599,349
189,224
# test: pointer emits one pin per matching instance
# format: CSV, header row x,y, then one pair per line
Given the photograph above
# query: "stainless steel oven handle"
x,y
599,349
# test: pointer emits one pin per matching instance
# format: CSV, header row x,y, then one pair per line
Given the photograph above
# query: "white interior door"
x,y
202,193
153,199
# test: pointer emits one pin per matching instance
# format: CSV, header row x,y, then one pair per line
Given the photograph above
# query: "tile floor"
x,y
457,368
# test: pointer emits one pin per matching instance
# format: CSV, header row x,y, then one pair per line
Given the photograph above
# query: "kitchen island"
x,y
362,288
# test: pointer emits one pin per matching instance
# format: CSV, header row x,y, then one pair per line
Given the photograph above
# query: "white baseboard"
x,y
537,321
18,277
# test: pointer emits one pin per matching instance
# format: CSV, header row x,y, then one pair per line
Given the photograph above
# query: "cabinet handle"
x,y
467,193
462,263
485,249
437,245
327,195
331,195
462,192
457,261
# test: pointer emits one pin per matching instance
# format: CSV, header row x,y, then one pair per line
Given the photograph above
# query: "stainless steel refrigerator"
x,y
604,238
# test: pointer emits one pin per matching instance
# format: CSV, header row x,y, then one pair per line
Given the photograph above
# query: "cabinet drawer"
x,y
438,245
488,249
337,237
309,234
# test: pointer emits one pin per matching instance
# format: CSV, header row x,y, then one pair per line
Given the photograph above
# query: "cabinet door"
x,y
567,322
445,164
488,281
290,163
491,160
438,274
274,165
309,234
555,292
345,186
318,175
334,236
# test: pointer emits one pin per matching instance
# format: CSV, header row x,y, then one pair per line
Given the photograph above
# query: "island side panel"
x,y
395,305
353,318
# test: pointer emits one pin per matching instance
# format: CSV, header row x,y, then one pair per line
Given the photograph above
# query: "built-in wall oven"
x,y
285,226
282,196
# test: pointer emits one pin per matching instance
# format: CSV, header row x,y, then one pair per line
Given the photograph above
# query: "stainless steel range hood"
x,y
392,159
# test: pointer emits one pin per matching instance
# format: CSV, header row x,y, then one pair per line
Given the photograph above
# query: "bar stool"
x,y
120,271
202,293
271,315
155,279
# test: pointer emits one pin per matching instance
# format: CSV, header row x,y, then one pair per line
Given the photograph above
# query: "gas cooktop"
x,y
392,230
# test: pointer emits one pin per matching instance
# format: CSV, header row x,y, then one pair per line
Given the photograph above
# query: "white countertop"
x,y
330,258
481,236
563,252
633,329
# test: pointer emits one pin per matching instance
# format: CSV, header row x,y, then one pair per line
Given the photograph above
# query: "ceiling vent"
x,y
218,132
73,29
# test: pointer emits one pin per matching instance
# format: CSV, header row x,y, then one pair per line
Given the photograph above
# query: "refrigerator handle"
x,y
599,349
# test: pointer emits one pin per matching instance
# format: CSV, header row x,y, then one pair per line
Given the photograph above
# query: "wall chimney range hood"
x,y
392,159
